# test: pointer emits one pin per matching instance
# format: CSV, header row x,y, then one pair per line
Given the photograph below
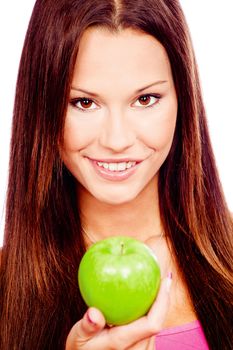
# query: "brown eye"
x,y
85,103
145,99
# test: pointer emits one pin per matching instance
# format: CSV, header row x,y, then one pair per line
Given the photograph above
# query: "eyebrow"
x,y
159,82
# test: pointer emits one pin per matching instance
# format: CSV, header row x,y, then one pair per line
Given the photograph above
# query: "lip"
x,y
113,175
116,160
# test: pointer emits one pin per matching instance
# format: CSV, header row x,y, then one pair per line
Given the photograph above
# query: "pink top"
x,y
186,337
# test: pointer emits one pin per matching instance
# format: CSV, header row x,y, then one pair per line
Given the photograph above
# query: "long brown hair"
x,y
43,242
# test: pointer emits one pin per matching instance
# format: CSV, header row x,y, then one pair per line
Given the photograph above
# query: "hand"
x,y
91,333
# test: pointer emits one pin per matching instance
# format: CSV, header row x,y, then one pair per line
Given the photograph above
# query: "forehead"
x,y
129,54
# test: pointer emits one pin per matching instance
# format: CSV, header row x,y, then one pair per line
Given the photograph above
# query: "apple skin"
x,y
121,277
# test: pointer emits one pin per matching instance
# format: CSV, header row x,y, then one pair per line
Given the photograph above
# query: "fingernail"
x,y
169,281
89,317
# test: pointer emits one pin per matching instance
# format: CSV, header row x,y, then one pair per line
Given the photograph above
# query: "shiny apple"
x,y
121,277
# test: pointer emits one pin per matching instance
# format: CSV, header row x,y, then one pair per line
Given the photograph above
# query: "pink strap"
x,y
186,337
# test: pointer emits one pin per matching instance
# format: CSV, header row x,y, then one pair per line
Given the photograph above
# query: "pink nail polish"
x,y
89,318
169,281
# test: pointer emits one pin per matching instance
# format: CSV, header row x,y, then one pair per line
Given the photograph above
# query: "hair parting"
x,y
43,242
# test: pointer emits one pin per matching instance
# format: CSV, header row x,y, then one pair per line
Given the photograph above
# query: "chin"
x,y
115,198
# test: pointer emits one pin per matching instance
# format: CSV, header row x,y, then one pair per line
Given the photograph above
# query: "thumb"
x,y
92,323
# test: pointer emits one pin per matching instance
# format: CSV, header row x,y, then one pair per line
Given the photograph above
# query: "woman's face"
x,y
122,113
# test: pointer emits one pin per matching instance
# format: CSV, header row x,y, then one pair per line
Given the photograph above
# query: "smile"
x,y
116,166
115,171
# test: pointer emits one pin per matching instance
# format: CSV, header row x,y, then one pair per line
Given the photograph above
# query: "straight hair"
x,y
43,241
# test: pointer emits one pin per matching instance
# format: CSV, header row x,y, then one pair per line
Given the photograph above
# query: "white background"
x,y
211,27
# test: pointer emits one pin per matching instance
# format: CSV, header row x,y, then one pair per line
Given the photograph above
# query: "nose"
x,y
117,132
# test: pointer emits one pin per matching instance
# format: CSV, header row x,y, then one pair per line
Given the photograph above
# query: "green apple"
x,y
121,277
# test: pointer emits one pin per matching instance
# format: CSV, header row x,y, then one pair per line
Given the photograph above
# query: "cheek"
x,y
77,133
158,129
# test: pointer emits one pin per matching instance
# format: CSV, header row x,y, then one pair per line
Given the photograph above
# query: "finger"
x,y
92,323
148,325
159,309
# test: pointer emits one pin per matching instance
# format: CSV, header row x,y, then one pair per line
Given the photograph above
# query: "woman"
x,y
110,136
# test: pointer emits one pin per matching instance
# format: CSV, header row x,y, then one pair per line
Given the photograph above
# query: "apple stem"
x,y
122,248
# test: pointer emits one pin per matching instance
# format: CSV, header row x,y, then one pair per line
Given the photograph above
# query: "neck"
x,y
139,218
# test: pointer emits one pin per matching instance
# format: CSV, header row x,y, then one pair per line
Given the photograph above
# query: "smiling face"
x,y
121,117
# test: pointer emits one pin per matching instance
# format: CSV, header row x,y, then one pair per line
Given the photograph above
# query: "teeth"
x,y
112,166
121,166
116,166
